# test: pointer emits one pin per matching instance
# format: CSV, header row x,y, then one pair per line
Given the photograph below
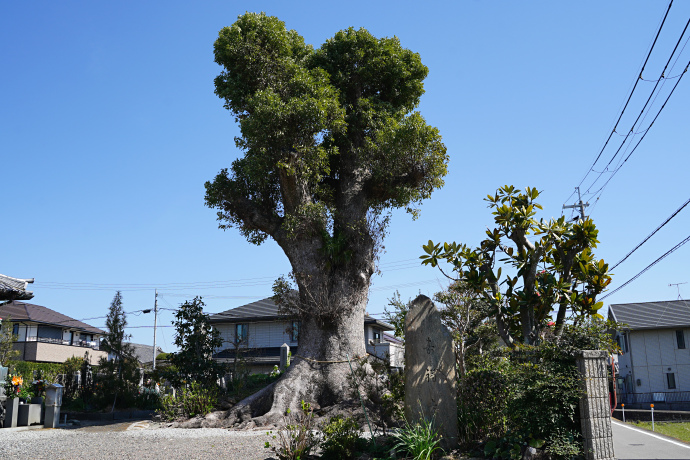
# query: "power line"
x,y
637,80
647,268
652,234
197,285
632,128
601,189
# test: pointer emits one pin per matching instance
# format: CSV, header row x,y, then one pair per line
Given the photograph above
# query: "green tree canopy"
x,y
557,272
322,130
197,340
331,143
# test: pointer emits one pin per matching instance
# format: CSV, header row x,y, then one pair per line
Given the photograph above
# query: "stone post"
x,y
284,355
430,384
595,409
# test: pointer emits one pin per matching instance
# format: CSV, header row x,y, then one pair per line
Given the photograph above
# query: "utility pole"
x,y
155,320
580,204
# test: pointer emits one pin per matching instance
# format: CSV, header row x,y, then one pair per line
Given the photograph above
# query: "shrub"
x,y
296,438
483,398
341,438
188,402
48,371
418,440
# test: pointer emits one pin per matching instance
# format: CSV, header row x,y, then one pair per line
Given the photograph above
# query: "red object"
x,y
613,385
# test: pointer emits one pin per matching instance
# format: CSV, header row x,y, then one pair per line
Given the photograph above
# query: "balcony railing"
x,y
77,343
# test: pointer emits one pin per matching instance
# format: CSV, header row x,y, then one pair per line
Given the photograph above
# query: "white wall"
x,y
652,354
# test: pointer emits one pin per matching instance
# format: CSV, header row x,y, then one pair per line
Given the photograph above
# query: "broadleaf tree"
x,y
331,143
197,340
550,279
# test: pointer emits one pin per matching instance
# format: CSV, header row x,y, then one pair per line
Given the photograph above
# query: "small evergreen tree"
x,y
197,341
7,338
121,365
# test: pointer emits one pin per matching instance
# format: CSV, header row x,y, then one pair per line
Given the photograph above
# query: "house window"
x,y
671,381
241,333
377,336
294,333
680,339
15,329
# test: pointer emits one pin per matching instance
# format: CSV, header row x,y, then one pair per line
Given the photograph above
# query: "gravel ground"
x,y
134,441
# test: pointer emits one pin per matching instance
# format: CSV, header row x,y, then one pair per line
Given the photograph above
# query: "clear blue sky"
x,y
109,128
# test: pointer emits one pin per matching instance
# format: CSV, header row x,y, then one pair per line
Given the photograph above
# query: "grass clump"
x,y
419,440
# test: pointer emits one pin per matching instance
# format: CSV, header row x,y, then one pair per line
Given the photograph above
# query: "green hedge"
x,y
28,369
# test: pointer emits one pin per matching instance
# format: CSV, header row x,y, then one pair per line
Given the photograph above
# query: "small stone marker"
x,y
430,384
595,409
284,354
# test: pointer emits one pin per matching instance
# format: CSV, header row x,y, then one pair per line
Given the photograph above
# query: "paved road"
x,y
631,443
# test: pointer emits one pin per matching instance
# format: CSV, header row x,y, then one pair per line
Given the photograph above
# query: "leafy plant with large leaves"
x,y
331,143
555,272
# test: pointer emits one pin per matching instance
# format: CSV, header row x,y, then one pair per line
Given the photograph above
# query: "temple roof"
x,y
14,288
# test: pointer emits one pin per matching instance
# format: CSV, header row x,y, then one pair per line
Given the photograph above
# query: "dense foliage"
x,y
529,395
197,340
341,438
121,374
7,352
188,402
555,272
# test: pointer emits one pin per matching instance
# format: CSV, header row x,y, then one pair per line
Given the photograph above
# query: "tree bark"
x,y
317,373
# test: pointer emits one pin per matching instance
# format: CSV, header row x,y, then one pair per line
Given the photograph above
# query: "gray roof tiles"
x,y
144,353
14,288
652,315
22,311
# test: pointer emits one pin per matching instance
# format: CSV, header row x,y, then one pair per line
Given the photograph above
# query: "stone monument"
x,y
430,383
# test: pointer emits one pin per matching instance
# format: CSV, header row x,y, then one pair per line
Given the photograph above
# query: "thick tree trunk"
x,y
318,373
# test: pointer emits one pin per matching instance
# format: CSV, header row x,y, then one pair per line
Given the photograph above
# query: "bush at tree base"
x,y
341,438
189,402
526,396
296,438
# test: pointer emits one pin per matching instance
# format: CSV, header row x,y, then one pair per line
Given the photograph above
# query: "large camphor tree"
x,y
331,144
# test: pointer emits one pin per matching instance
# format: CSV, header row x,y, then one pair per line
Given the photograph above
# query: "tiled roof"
x,y
22,311
14,288
652,315
267,310
144,353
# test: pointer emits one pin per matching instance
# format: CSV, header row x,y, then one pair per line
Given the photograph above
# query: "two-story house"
x,y
654,366
44,335
256,331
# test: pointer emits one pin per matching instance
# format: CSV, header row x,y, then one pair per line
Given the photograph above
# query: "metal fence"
x,y
652,398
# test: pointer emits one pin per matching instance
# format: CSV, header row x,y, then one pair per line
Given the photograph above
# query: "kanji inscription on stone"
x,y
430,384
